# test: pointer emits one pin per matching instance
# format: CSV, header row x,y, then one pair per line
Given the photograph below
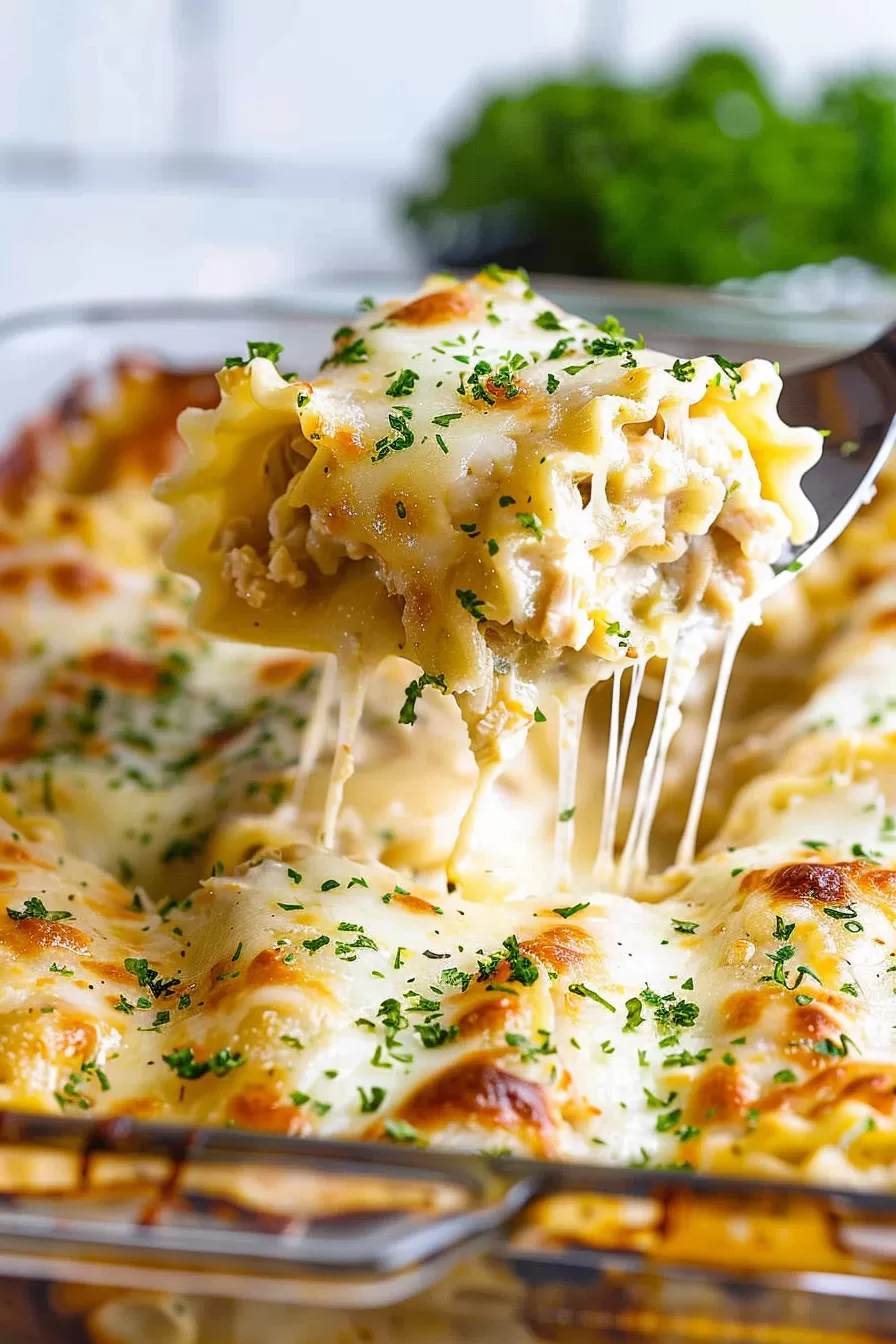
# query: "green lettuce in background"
x,y
690,182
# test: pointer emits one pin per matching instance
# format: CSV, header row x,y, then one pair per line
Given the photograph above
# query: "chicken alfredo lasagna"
x,y
481,506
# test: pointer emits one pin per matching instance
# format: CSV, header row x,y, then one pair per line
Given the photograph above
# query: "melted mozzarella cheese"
x,y
500,491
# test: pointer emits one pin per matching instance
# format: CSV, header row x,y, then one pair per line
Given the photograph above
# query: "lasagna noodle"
x,y
507,520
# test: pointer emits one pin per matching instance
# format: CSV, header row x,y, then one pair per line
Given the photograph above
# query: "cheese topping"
x,y
513,498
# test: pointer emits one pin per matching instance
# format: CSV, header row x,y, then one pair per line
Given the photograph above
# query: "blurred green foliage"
x,y
691,182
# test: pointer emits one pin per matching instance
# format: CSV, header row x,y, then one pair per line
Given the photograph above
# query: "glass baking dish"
x,y
469,1245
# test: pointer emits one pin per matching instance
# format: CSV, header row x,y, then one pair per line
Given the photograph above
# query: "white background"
x,y
169,147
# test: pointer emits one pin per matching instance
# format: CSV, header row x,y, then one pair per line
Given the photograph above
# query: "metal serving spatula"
x,y
854,399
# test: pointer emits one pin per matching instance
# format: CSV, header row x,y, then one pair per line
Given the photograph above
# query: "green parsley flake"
x,y
585,993
470,602
567,911
403,383
683,370
34,908
408,712
532,523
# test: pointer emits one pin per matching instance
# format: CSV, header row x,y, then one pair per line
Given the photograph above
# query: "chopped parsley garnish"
x,y
313,945
548,321
669,1011
403,383
851,924
615,630
538,716
683,370
330,884
552,384
585,993
521,968
294,876
148,978
528,1050
567,911
432,1034
684,926
371,1101
455,978
532,523
399,1131
634,1014
666,1122
656,1103
782,930
828,1047
408,712
257,350
780,957
567,814
402,436
293,1041
355,353
561,348
470,602
443,421
184,1063
731,372
34,908
60,970
784,1076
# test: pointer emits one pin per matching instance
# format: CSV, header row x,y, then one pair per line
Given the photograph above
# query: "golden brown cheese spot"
x,y
131,437
743,1009
19,736
827,882
13,852
262,1107
805,1025
873,1084
123,670
884,621
9,877
139,1108
416,905
34,454
477,1091
67,517
74,581
109,970
722,1093
565,948
444,305
880,881
73,1037
491,1016
268,968
283,671
14,579
24,937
